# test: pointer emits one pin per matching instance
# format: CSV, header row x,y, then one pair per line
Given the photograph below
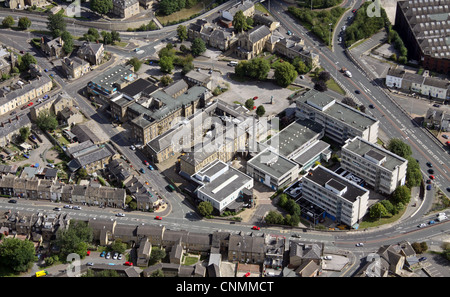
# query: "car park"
x,y
142,170
120,257
430,171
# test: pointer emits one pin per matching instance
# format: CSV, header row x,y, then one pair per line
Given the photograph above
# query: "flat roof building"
x,y
380,168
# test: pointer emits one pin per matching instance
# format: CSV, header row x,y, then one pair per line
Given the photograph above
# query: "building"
x,y
10,128
424,28
266,20
147,4
52,47
93,158
75,67
196,78
381,169
434,118
221,185
246,249
293,47
111,81
214,36
252,43
272,169
125,8
340,121
91,52
342,200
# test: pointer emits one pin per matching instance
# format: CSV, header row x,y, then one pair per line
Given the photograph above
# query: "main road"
x,y
394,121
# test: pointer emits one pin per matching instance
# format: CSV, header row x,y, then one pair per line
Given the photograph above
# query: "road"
x,y
394,121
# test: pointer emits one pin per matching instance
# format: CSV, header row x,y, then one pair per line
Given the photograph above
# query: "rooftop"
x,y
273,164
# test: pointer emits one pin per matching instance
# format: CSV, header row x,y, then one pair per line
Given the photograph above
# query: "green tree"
x,y
101,6
292,220
136,63
240,21
82,172
292,207
24,23
205,208
107,37
75,239
8,22
260,111
157,273
249,103
26,61
56,24
68,42
24,133
157,255
92,35
401,195
166,64
388,206
274,217
398,147
413,174
300,66
119,246
115,36
166,80
46,121
282,200
182,33
16,254
198,47
285,74
377,211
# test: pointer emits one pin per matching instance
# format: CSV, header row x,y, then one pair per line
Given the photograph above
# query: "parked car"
x,y
429,181
142,170
296,235
328,257
445,136
57,209
436,105
108,255
12,201
68,206
429,164
120,257
115,256
120,214
77,207
428,187
422,259
256,97
132,147
430,171
158,218
51,165
151,167
90,264
103,254
431,176
256,228
431,222
422,225
128,263
247,274
360,244
88,253
371,106
146,163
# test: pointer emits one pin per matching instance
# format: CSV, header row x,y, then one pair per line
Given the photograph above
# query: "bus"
x,y
41,273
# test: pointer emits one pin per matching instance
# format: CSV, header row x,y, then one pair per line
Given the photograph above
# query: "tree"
x,y
413,174
115,36
182,33
205,208
75,239
401,195
56,24
292,207
92,35
398,147
16,254
157,273
320,86
260,111
292,220
198,47
300,66
24,23
107,37
46,121
136,63
274,217
377,211
249,103
8,22
240,21
166,80
362,108
119,246
325,76
166,64
82,172
26,61
349,101
388,206
282,200
101,6
68,42
285,74
24,133
157,255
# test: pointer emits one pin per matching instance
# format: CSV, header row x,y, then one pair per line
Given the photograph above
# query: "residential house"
x,y
52,47
143,252
91,52
125,8
434,117
75,67
246,249
303,252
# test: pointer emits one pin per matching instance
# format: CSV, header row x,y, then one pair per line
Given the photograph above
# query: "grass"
x,y
185,13
370,223
332,85
260,7
190,260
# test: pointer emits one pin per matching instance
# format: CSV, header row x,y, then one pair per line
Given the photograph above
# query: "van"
x,y
41,273
232,63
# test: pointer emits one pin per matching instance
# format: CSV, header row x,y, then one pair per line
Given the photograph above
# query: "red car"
x,y
128,263
146,163
255,228
88,253
354,10
247,274
254,107
31,103
158,218
256,97
431,176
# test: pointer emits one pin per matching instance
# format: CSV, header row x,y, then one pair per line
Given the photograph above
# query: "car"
x,y
430,171
256,97
431,176
371,106
210,71
88,253
57,209
51,165
77,207
142,170
256,228
146,163
431,222
12,201
22,52
428,187
247,274
429,164
115,256
429,181
31,103
68,206
52,75
132,147
422,259
158,218
328,257
296,235
46,70
108,255
289,32
354,10
422,225
151,167
103,254
357,91
13,113
128,263
448,189
436,105
90,264
120,257
119,214
441,214
445,136
360,244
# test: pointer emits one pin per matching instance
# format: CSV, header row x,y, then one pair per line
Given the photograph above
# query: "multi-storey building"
x,y
341,199
125,8
381,169
340,121
75,67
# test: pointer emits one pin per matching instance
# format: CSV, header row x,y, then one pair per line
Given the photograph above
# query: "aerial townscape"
x,y
215,138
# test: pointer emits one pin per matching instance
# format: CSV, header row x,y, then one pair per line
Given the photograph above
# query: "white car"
x,y
441,214
115,256
67,206
441,218
422,225
133,147
120,214
328,257
360,244
77,207
120,257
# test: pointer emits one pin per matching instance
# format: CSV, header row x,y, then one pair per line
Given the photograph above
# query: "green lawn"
x,y
185,13
332,85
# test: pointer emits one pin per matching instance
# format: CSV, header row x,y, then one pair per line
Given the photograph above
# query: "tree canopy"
x,y
16,254
101,6
56,24
75,239
198,47
398,147
46,121
24,23
240,21
285,74
182,33
205,208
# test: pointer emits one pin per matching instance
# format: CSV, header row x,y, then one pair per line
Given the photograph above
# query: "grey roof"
x,y
258,33
306,155
90,48
273,164
84,133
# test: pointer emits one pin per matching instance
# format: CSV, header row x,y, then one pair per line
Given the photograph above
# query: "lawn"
x,y
332,85
185,13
